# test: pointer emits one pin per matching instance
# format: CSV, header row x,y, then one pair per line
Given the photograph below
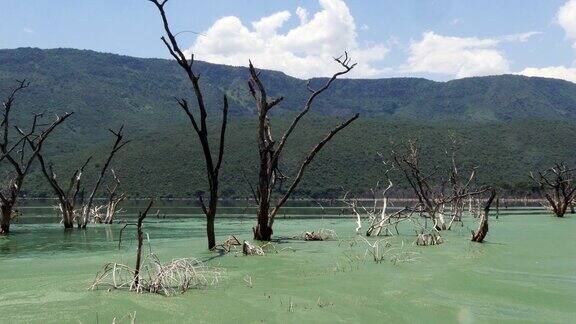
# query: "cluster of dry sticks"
x,y
174,277
380,250
322,234
253,249
232,244
150,275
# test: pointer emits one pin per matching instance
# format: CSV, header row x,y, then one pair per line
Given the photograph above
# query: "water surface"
x,y
526,272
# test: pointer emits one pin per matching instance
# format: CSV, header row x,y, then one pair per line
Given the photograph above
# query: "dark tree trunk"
x,y
210,218
482,230
262,232
558,187
199,124
6,217
266,179
67,215
270,176
140,238
210,233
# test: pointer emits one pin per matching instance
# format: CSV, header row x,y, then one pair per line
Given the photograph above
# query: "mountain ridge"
x,y
509,124
136,84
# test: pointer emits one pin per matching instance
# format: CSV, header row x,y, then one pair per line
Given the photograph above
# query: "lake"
x,y
525,272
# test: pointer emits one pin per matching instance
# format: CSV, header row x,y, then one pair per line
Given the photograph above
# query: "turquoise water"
x,y
525,272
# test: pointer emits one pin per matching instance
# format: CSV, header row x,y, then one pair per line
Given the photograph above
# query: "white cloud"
x,y
567,19
28,30
555,72
305,51
460,57
522,37
267,26
456,56
303,15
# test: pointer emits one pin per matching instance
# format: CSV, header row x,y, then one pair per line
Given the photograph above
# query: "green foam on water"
x,y
525,272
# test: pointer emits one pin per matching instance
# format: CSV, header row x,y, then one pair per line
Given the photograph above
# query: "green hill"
x,y
168,163
507,124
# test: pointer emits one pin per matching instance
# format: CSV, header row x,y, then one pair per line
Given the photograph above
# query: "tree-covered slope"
x,y
507,125
169,163
107,88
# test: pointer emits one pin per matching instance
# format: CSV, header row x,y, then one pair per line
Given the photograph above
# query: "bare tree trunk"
x,y
212,167
113,200
262,232
67,199
68,214
7,203
482,230
6,218
22,161
140,238
270,174
87,208
210,218
558,187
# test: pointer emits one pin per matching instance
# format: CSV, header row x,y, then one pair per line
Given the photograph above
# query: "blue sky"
x,y
438,39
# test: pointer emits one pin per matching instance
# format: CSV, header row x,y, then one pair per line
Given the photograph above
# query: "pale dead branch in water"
x,y
174,277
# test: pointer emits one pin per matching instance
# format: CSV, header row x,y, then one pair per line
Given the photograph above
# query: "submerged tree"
x,y
438,191
213,166
68,198
558,187
114,198
270,175
479,235
87,208
21,154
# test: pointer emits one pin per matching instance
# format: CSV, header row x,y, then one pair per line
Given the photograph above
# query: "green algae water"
x,y
525,272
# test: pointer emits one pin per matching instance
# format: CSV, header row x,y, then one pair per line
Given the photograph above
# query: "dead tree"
x,y
140,238
381,221
557,186
270,175
460,186
27,148
482,231
212,166
114,198
68,198
88,208
438,192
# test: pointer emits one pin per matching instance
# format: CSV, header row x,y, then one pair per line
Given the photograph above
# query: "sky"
x,y
435,39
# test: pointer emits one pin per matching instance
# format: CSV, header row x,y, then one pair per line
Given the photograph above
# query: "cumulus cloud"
x,y
460,57
306,50
555,72
566,18
455,56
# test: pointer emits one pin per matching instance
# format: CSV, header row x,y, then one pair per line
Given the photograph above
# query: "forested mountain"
x,y
107,87
507,125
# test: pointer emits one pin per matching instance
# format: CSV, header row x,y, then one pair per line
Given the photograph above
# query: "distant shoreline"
x,y
502,200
